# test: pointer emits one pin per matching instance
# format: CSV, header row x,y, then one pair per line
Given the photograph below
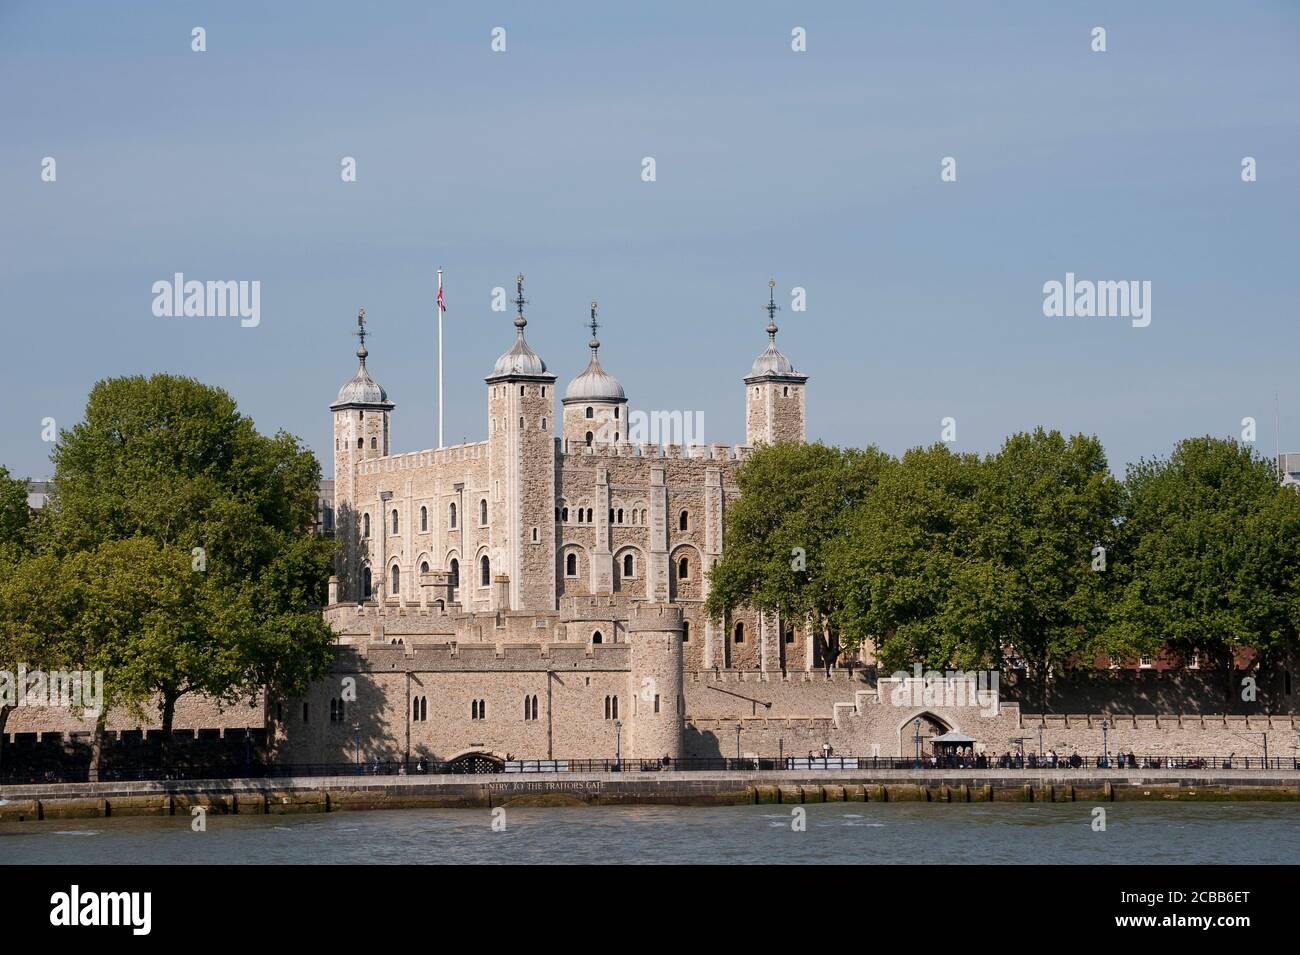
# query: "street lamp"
x,y
737,740
1105,745
618,744
917,737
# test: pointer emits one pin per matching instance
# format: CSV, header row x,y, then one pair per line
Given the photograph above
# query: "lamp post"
x,y
738,741
917,738
1105,745
618,744
1040,742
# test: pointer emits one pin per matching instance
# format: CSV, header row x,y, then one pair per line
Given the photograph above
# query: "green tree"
x,y
195,524
1209,556
1049,507
793,503
908,570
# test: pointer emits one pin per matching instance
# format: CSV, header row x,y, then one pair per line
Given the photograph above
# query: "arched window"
x,y
424,566
739,632
616,412
620,516
482,709
396,575
686,631
394,520
588,439
564,514
543,424
361,442
424,519
611,515
424,708
684,521
455,572
372,443
684,569
571,565
482,512
415,708
614,699
606,707
627,565
365,525
521,423
597,637
451,515
590,414
527,708
521,391
365,581
484,571
643,514
473,709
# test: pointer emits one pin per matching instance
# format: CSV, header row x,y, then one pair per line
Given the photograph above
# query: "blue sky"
x,y
820,169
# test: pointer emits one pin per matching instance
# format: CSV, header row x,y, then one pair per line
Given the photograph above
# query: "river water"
x,y
875,833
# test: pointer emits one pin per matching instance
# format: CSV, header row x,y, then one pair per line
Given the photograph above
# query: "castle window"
x,y
589,436
543,424
564,514
571,565
634,515
530,707
454,572
620,515
484,572
627,565
473,709
521,391
616,412
785,392
394,520
597,637
789,635
543,391
482,512
686,631
643,514
424,566
336,444
684,569
740,633
521,424
615,435
424,519
590,413
373,441
611,515
415,708
656,702
365,525
396,574
451,515
683,521
361,442
611,707
365,582
534,535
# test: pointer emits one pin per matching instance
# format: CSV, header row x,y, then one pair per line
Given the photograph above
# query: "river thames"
x,y
880,833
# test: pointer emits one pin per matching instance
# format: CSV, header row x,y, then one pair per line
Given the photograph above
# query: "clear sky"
x,y
820,169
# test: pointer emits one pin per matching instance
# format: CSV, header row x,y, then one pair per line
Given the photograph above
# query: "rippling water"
x,y
836,832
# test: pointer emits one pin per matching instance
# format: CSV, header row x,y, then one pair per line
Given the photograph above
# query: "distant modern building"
x,y
1288,462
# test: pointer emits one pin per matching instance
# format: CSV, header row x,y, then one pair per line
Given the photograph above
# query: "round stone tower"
x,y
655,637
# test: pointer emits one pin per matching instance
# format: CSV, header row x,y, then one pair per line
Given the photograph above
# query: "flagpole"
x,y
439,307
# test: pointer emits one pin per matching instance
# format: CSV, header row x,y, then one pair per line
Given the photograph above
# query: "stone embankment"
x,y
331,794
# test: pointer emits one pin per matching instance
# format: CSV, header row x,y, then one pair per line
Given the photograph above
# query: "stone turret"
x,y
774,392
654,633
